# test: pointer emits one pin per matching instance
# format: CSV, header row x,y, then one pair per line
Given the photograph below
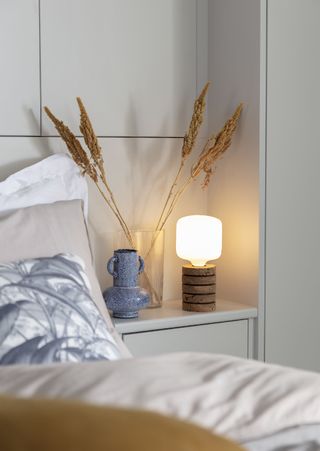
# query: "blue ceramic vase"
x,y
125,297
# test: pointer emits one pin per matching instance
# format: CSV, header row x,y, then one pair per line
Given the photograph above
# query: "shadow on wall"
x,y
140,171
147,172
140,174
16,159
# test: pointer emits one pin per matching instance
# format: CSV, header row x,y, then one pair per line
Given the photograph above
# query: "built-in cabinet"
x,y
227,330
271,63
138,66
292,184
125,58
20,70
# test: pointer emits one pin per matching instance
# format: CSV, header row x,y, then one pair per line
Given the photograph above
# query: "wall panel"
x,y
19,75
132,62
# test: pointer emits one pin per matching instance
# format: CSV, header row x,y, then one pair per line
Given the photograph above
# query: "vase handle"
x,y
141,266
110,266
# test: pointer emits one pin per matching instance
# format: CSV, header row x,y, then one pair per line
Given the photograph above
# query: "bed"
x,y
57,340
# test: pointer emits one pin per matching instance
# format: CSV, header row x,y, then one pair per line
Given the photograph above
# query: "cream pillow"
x,y
49,229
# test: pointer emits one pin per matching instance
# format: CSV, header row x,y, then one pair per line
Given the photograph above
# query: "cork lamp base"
x,y
199,288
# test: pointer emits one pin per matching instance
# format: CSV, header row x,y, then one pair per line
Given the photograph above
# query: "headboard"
x,y
140,174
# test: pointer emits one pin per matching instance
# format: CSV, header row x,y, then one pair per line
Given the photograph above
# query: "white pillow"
x,y
56,178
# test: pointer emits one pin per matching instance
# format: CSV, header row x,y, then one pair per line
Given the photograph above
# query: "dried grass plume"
x,y
91,162
195,124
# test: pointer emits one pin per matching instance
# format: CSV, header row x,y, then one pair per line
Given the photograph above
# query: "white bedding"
x,y
240,399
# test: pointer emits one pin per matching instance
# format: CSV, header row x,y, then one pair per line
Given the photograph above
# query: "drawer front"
x,y
223,338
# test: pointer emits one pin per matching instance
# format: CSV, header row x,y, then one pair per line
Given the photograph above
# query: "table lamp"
x,y
199,240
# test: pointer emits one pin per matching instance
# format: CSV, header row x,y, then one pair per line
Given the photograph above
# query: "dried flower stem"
x,y
214,148
195,124
114,211
92,166
189,141
90,138
118,214
92,162
173,186
74,146
92,143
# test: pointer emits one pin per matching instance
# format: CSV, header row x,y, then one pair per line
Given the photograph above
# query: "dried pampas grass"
x,y
213,149
90,159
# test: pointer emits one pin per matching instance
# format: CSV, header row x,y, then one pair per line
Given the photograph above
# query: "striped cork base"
x,y
199,288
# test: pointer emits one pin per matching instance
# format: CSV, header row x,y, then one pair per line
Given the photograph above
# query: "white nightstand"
x,y
228,330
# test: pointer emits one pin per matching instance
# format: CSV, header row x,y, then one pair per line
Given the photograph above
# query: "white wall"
x,y
234,60
138,66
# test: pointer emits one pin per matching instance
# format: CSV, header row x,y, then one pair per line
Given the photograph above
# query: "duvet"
x,y
263,407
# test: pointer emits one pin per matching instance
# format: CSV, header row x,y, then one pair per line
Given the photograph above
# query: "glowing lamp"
x,y
199,240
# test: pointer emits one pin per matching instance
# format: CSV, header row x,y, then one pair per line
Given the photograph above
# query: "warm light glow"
x,y
199,239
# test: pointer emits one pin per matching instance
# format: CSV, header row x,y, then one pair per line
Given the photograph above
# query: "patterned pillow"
x,y
47,314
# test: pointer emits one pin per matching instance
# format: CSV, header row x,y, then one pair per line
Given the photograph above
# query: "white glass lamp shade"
x,y
199,239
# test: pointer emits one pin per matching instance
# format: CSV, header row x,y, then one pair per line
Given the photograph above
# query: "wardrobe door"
x,y
293,184
19,68
133,62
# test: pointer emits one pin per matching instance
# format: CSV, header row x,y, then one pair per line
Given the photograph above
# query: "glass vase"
x,y
150,245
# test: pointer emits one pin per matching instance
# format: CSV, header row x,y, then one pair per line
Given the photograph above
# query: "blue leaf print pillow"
x,y
47,314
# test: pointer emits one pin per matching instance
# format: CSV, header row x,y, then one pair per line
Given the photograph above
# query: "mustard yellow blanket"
x,y
52,425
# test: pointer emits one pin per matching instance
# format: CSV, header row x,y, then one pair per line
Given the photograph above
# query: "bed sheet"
x,y
241,399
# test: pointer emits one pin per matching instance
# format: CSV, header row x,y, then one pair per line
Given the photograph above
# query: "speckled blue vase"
x,y
125,298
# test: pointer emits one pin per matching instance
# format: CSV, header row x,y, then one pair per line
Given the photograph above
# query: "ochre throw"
x,y
55,425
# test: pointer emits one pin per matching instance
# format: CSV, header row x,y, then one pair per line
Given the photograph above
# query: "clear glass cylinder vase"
x,y
150,246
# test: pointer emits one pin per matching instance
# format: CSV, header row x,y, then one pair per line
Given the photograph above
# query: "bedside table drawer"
x,y
222,338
